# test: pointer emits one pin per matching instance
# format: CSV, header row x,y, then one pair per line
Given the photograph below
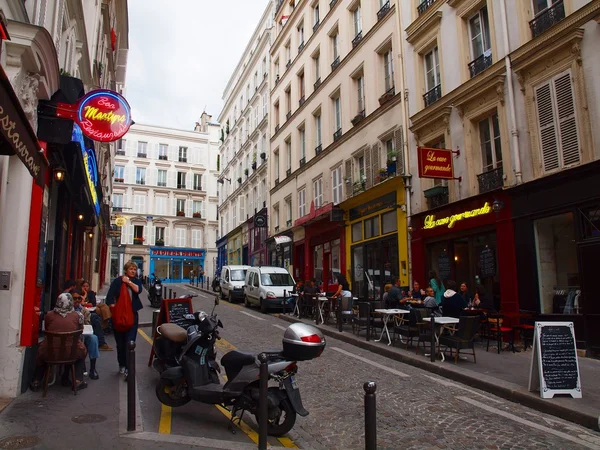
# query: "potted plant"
x,y
246,172
240,180
160,242
227,126
197,215
357,187
138,240
263,156
181,213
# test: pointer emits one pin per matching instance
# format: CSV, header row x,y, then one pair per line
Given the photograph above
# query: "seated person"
x,y
61,320
310,287
91,341
464,292
430,302
454,303
299,288
343,290
480,300
386,289
394,295
417,292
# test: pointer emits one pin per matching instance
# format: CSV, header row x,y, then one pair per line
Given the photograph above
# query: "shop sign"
x,y
183,253
385,201
120,221
431,221
89,163
435,163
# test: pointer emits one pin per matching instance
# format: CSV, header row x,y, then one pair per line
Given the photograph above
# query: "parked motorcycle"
x,y
155,292
216,284
186,361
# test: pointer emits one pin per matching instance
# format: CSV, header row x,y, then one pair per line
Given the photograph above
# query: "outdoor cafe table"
x,y
441,321
387,313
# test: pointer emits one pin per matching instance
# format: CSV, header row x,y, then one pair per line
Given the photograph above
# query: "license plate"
x,y
294,384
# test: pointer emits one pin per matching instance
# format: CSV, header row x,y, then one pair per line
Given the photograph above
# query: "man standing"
x,y
192,276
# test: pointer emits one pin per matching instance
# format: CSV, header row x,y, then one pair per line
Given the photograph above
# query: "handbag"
x,y
122,314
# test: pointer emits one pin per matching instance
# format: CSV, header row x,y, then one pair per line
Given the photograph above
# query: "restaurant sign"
x,y
182,253
431,221
89,163
435,163
385,201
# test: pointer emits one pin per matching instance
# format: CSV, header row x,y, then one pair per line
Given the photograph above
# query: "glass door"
x,y
389,253
176,273
373,269
358,273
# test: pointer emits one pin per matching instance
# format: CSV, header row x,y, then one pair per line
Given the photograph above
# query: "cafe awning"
x,y
282,239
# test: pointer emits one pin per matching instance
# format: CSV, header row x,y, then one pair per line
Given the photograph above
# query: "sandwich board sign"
x,y
554,365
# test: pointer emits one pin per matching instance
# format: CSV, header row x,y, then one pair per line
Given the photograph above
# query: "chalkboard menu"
x,y
444,266
487,263
555,356
176,309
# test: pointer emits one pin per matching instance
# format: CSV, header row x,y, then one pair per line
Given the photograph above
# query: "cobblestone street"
x,y
415,409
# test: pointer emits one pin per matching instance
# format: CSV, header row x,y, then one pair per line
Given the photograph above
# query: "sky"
x,y
182,54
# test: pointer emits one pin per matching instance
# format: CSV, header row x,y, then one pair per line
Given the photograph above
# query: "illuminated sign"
x,y
435,163
431,222
104,115
192,254
89,163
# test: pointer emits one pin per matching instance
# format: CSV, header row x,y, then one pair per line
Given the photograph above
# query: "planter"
x,y
263,155
357,119
391,168
385,98
246,172
239,180
138,241
160,243
181,213
197,215
254,166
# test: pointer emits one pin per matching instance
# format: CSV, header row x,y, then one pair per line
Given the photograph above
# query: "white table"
x,y
441,321
322,300
387,313
296,309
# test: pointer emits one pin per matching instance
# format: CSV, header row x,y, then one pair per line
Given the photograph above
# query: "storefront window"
x,y
357,232
591,222
334,262
389,222
318,259
558,269
372,227
161,268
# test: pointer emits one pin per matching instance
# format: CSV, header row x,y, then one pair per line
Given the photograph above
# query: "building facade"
x,y
164,204
511,87
337,158
243,153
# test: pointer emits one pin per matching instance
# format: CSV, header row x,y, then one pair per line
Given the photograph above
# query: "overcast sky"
x,y
181,55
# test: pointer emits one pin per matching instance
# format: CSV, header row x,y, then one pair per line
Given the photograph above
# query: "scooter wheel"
x,y
167,395
283,422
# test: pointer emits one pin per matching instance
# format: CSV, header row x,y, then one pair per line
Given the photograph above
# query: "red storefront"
x,y
469,241
322,253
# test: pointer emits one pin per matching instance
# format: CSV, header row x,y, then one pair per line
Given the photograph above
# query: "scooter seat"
x,y
173,332
234,361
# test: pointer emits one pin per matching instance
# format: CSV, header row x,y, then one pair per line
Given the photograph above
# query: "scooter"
x,y
155,292
186,361
216,284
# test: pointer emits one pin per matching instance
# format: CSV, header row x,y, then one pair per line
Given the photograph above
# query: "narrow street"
x,y
415,409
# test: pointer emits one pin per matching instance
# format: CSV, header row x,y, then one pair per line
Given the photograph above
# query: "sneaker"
x,y
122,370
105,347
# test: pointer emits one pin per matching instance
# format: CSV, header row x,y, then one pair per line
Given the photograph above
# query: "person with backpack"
x,y
123,297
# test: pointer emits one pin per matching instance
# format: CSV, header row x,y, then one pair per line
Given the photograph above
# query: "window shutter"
x,y
124,234
368,167
184,238
130,234
348,177
189,180
548,141
375,161
188,208
173,153
399,146
167,236
152,234
171,178
173,206
203,209
151,176
143,208
567,122
145,232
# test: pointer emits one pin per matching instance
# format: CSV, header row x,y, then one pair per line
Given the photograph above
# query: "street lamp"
x,y
497,206
59,173
222,180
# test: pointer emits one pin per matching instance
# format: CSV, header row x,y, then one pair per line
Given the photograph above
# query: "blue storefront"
x,y
221,253
173,265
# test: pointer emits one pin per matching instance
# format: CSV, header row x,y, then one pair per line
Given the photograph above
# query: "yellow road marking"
x,y
164,426
145,336
241,425
287,442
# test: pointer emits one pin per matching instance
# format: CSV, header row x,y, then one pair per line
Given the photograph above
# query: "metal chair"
x,y
363,319
408,327
462,339
61,348
496,330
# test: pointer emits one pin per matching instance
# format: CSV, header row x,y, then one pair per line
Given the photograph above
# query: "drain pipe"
x,y
516,152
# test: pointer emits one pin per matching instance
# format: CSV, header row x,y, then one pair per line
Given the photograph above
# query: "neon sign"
x,y
104,115
89,163
431,222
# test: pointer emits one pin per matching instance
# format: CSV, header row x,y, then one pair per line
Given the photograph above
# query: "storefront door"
x,y
176,271
374,264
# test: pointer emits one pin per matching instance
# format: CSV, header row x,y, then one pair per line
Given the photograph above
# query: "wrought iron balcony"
x,y
317,83
433,95
141,155
276,128
197,187
547,18
437,196
481,63
318,149
303,162
162,157
140,181
424,6
288,172
288,115
182,159
161,183
180,185
301,101
301,46
491,180
332,4
288,64
357,39
316,25
335,63
337,134
121,152
383,11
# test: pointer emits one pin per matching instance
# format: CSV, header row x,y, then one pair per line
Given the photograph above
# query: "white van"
x,y
233,279
267,287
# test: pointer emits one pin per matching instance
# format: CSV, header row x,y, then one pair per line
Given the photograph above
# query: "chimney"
x,y
205,119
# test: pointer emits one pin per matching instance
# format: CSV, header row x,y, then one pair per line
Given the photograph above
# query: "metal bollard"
x,y
174,294
370,415
432,337
131,387
263,410
207,283
339,318
170,293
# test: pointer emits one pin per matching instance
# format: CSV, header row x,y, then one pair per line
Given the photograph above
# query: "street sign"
x,y
120,221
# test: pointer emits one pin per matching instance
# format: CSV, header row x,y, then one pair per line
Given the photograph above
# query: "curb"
x,y
500,388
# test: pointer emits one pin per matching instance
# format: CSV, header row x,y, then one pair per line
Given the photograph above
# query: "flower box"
x,y
197,215
180,213
385,98
357,119
160,242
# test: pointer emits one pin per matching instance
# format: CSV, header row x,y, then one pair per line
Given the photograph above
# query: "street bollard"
x,y
207,283
174,294
432,337
170,293
370,415
339,318
263,410
131,387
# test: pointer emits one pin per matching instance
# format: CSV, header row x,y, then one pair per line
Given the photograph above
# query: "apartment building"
x,y
336,144
165,200
511,87
243,153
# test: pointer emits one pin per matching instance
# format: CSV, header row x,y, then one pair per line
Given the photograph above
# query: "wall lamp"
x,y
90,235
59,174
80,217
497,206
222,180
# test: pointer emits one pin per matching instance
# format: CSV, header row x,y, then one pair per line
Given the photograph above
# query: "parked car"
x,y
233,279
268,287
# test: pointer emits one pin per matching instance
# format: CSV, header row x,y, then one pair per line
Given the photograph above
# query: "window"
x,y
256,80
183,154
197,182
301,35
557,122
303,143
138,234
318,192
117,200
288,100
360,86
162,151
197,208
388,65
277,166
361,168
120,173
432,69
337,111
180,207
140,175
264,66
159,235
288,54
489,137
288,211
180,237
181,180
160,205
302,203
357,231
301,85
161,179
142,146
288,149
336,185
264,104
122,145
317,64
335,44
316,16
389,222
139,203
241,103
372,227
248,93
541,5
479,33
318,129
196,238
276,216
255,124
357,20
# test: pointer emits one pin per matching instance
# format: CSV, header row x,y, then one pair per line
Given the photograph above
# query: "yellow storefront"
x,y
234,247
376,238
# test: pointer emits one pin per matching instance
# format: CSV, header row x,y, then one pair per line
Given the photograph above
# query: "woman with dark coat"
x,y
134,285
453,303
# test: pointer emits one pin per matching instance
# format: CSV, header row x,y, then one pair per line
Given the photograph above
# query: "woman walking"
x,y
129,295
437,285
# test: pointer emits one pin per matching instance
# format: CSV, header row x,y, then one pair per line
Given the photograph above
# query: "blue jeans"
x,y
123,338
96,323
91,343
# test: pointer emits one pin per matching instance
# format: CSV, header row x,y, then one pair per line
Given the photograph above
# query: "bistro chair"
x,y
524,326
462,339
308,305
424,332
347,312
362,321
61,350
409,328
496,330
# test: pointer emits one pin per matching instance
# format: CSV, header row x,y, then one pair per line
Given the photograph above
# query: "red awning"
x,y
314,214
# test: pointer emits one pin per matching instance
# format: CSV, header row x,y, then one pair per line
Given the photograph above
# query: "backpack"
x,y
122,313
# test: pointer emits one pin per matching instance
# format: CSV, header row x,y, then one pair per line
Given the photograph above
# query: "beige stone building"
x,y
336,148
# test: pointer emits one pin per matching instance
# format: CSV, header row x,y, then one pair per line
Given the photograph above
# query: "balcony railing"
x,y
161,183
121,152
140,181
383,11
424,6
141,154
433,95
183,159
163,157
119,180
138,240
117,209
180,185
276,128
303,162
318,149
481,63
301,47
437,196
276,181
317,83
332,4
335,63
316,25
337,134
197,188
357,39
302,100
288,64
288,172
288,115
490,180
547,18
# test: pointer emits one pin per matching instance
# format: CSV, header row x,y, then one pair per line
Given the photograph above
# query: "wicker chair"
x,y
409,328
462,339
363,320
61,348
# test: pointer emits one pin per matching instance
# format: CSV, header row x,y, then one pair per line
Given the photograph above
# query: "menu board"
x,y
176,309
555,368
444,267
487,263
